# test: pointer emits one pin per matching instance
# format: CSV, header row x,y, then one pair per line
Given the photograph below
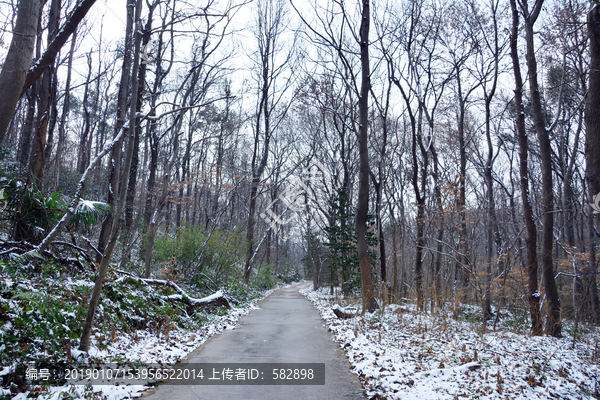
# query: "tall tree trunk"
x,y
463,242
531,241
27,129
380,239
379,183
83,158
492,221
151,132
103,267
592,142
437,283
63,117
162,201
553,323
362,206
133,172
153,142
53,119
179,176
18,60
252,206
38,148
153,166
116,154
269,20
394,291
568,205
403,286
309,254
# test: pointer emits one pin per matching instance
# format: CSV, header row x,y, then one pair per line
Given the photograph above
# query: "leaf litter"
x,y
398,353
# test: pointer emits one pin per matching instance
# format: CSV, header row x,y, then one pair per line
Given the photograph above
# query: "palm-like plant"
x,y
89,213
36,214
33,215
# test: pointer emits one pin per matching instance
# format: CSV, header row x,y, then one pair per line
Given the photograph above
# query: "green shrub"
x,y
33,215
265,279
203,259
242,292
40,322
294,277
36,215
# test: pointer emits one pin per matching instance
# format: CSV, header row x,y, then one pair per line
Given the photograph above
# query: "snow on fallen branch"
x,y
218,298
344,313
25,251
461,369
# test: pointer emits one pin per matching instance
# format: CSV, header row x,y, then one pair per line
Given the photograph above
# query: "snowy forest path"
x,y
286,329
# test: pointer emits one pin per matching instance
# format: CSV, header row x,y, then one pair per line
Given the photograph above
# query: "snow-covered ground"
x,y
399,354
142,346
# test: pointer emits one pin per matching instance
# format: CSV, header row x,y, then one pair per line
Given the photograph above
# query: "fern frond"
x,y
27,257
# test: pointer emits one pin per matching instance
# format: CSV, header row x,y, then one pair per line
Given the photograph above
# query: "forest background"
x,y
444,152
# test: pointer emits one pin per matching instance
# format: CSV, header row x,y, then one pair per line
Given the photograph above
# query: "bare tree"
x,y
64,113
105,259
553,324
141,89
85,148
44,99
163,66
271,61
116,154
18,60
592,140
531,241
362,206
421,83
491,50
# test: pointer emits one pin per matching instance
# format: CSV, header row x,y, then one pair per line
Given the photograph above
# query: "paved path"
x,y
286,329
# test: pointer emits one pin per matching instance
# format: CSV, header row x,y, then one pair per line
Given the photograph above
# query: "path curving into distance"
x,y
286,329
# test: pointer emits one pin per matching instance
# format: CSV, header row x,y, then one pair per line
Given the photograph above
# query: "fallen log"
x,y
67,261
344,313
217,299
15,249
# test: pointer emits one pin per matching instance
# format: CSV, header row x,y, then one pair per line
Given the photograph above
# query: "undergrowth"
x,y
42,314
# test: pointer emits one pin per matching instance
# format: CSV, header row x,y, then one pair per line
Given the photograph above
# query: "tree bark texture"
x,y
37,158
18,60
102,269
531,242
266,48
63,117
362,207
553,323
57,43
592,141
116,154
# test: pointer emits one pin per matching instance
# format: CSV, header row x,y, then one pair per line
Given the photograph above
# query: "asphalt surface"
x,y
286,329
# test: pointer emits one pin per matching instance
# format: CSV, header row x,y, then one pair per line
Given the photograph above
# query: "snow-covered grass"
x,y
134,324
143,346
400,354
